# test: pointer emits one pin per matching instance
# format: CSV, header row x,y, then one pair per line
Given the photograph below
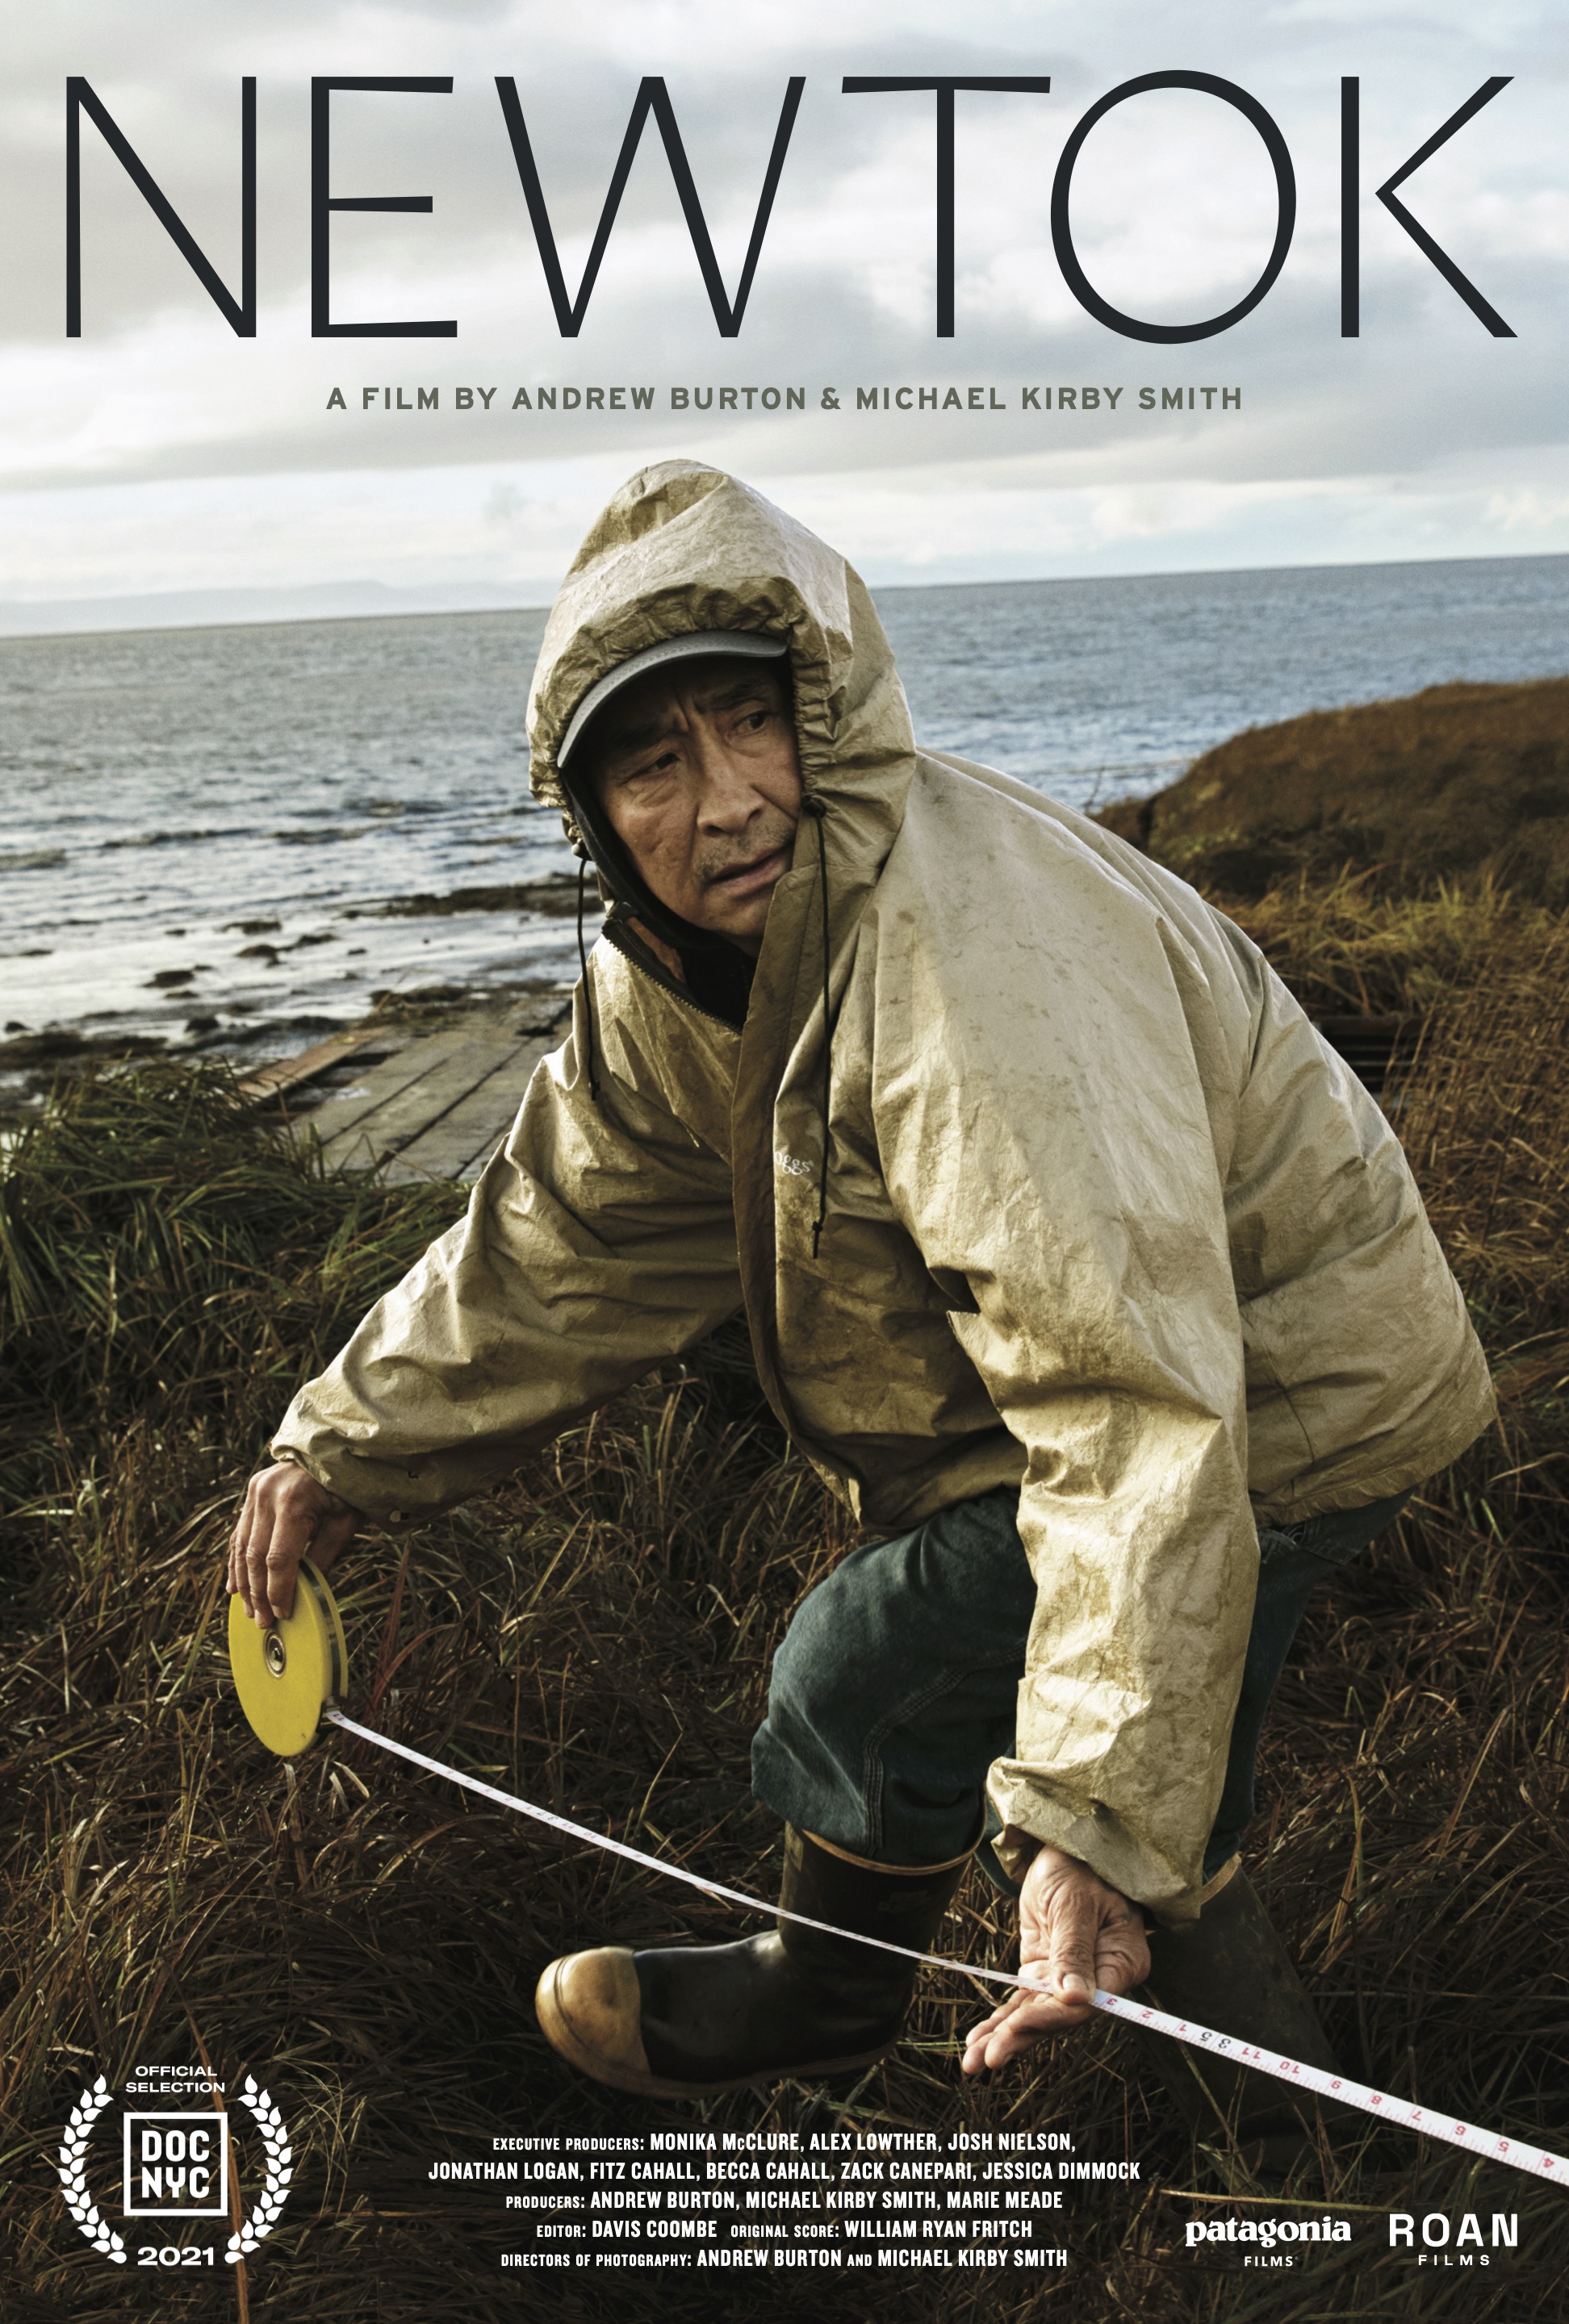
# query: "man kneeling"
x,y
1072,1257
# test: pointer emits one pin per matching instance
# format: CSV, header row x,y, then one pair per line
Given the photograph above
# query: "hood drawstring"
x,y
816,810
583,963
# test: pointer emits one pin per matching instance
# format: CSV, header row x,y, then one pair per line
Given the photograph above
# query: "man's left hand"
x,y
1075,1934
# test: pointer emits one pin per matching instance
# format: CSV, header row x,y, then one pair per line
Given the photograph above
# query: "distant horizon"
x,y
76,615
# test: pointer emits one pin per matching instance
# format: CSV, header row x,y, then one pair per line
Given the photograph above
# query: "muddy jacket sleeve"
x,y
599,1240
1052,1127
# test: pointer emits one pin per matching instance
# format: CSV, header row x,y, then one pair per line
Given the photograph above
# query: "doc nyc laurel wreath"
x,y
175,2167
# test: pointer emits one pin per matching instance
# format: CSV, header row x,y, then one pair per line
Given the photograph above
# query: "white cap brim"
x,y
690,646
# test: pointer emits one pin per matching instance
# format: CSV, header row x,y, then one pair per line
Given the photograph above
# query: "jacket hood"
x,y
1024,1169
683,546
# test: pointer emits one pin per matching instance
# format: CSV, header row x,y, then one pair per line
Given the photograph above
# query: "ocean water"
x,y
202,829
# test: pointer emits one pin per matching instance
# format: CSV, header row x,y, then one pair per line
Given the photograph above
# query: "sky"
x,y
159,467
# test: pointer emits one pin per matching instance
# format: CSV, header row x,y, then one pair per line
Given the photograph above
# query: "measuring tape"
x,y
288,1680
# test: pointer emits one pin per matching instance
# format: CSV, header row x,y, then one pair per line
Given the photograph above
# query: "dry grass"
x,y
598,1635
1349,945
1460,780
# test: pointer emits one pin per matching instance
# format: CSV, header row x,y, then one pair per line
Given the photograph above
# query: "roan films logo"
x,y
176,2163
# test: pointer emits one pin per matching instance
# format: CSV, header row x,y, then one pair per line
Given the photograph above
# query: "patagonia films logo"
x,y
176,2163
1267,2232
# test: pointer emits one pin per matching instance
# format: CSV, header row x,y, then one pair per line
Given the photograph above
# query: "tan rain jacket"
x,y
1105,1217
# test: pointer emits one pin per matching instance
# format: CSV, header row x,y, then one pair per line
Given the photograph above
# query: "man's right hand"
x,y
1075,1934
287,1516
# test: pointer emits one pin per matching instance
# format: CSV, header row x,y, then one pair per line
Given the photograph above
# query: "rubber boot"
x,y
1232,1973
691,2021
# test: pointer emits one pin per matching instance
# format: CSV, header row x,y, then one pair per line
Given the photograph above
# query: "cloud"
x,y
442,537
1172,213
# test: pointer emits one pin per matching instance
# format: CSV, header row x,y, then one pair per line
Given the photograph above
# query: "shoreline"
x,y
227,1012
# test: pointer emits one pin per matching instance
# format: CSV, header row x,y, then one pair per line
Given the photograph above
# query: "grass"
x,y
598,1635
1349,945
1458,779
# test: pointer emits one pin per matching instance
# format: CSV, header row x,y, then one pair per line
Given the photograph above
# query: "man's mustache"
x,y
715,865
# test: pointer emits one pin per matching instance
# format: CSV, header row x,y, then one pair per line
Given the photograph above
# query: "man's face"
x,y
697,775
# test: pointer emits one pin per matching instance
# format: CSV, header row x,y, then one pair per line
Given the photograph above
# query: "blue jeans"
x,y
896,1684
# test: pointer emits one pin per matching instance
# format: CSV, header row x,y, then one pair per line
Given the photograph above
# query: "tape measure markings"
x,y
1379,2104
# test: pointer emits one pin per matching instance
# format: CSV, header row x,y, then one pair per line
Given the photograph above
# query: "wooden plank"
x,y
479,1090
1376,1048
335,1115
423,1101
289,1073
460,1145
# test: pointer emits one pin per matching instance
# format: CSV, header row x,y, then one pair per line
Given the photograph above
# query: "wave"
x,y
322,837
175,838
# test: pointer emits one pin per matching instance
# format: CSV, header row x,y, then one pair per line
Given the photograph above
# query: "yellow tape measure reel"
x,y
287,1675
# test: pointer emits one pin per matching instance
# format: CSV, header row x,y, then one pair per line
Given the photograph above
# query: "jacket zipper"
x,y
662,976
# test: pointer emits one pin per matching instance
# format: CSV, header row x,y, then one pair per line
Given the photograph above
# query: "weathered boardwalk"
x,y
423,1105
438,1104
